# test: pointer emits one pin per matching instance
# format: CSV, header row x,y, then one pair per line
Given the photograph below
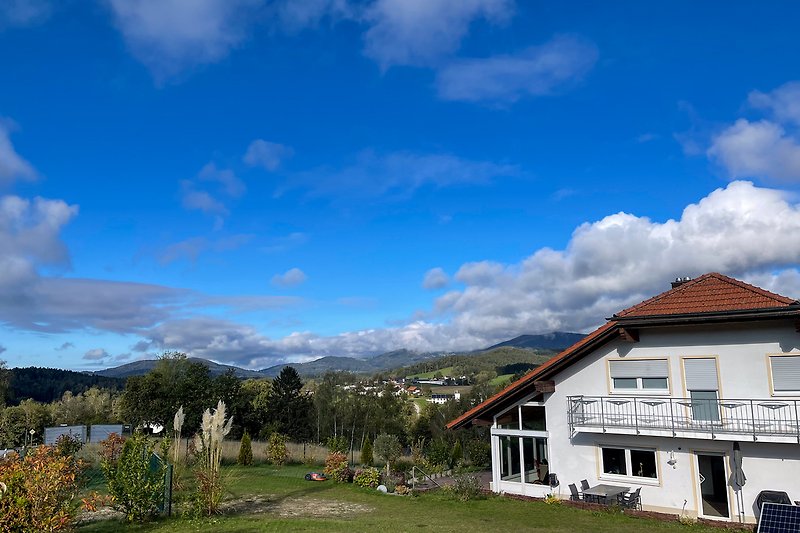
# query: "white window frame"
x,y
640,386
630,477
771,370
640,390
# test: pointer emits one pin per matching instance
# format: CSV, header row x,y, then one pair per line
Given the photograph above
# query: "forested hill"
x,y
505,360
49,384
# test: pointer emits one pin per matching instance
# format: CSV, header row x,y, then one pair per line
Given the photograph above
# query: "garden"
x,y
264,487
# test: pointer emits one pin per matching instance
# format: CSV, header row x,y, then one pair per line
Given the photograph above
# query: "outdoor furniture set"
x,y
606,495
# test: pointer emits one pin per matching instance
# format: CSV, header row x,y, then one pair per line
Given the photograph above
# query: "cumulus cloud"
x,y
783,102
290,278
95,354
65,346
267,155
435,278
12,166
24,12
537,71
422,32
767,149
749,232
395,176
760,149
170,36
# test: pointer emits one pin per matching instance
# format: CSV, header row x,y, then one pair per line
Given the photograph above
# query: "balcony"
x,y
770,420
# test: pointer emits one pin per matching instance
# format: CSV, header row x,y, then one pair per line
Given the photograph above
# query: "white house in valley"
x,y
658,398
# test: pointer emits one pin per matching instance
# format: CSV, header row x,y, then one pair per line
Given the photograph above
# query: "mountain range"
x,y
386,361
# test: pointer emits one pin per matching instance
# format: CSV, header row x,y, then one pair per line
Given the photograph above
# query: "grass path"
x,y
263,498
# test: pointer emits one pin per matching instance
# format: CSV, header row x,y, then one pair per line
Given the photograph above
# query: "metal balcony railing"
x,y
752,417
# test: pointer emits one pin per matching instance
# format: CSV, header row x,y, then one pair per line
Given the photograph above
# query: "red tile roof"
x,y
708,294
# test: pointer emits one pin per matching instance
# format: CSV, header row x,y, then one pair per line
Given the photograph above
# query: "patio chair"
x,y
584,484
574,495
631,500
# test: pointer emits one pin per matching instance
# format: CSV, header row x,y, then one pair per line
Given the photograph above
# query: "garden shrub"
x,y
366,453
479,452
245,451
439,453
466,487
136,487
401,489
388,448
67,445
337,444
394,480
336,468
277,453
457,454
367,477
36,493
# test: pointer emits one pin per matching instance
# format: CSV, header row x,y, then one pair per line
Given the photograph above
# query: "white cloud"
x,y
293,15
267,155
290,278
12,166
760,149
24,12
397,175
230,184
192,248
783,102
745,231
537,71
95,354
170,36
422,32
195,200
435,278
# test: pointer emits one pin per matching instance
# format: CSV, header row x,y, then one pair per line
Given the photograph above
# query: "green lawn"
x,y
447,371
280,500
501,380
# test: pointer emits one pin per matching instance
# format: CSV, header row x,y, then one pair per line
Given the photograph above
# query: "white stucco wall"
x,y
742,353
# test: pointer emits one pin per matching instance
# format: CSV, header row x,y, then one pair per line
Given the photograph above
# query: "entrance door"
x,y
713,486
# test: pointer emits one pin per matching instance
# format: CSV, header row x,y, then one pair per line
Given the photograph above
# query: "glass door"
x,y
713,486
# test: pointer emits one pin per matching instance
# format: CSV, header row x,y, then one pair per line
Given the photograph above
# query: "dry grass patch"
x,y
294,507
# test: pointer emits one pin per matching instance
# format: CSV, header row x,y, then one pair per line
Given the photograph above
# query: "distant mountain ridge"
x,y
386,361
557,340
139,368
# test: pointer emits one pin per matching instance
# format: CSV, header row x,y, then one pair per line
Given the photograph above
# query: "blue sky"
x,y
258,181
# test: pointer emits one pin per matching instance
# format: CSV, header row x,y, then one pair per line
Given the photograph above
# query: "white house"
x,y
658,398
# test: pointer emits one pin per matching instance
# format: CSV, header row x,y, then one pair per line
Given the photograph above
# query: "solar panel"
x,y
779,518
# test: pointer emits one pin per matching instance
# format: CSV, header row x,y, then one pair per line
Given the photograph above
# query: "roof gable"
x,y
710,293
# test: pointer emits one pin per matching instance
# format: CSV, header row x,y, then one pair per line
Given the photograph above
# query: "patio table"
x,y
604,493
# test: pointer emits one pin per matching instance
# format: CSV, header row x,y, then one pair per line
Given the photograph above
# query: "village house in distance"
x,y
686,396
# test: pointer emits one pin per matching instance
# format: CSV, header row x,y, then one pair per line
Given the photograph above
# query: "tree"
x,y
388,448
288,408
245,451
5,380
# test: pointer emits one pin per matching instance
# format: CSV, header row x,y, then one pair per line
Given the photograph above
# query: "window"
x,y
629,462
642,374
533,418
785,373
701,383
